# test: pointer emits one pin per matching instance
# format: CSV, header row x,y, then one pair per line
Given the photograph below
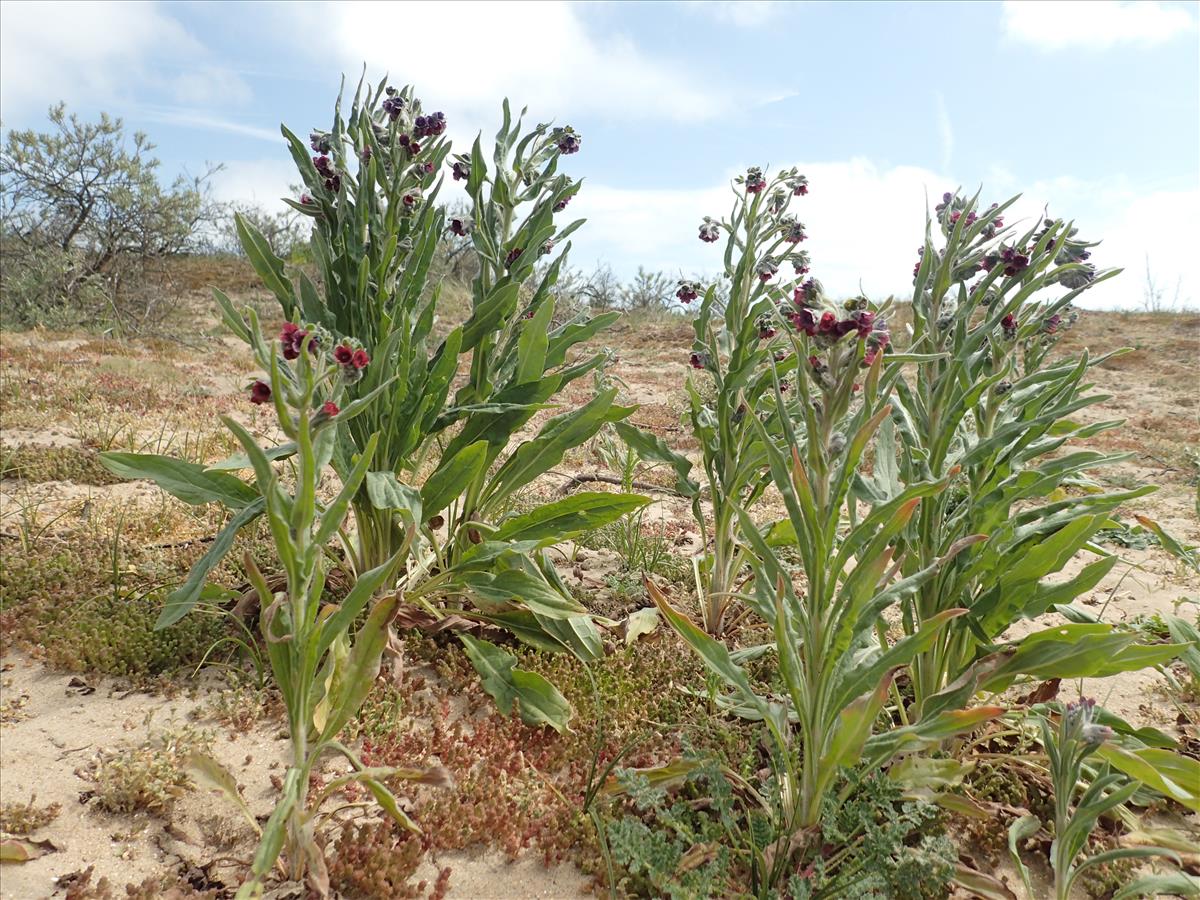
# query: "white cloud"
x,y
742,13
193,118
865,222
1094,24
260,181
539,53
102,52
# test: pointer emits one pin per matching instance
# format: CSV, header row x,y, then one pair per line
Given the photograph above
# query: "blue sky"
x,y
1091,108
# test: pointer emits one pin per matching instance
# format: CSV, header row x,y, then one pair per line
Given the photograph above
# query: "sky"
x,y
1089,110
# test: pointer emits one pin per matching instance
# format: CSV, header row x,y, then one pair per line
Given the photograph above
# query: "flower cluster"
x,y
320,142
560,205
798,184
688,291
324,167
394,104
350,359
800,262
792,229
1080,722
1013,260
567,139
429,126
292,340
460,169
710,230
755,181
767,268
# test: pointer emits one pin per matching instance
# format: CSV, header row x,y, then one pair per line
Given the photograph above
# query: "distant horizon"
x,y
1089,109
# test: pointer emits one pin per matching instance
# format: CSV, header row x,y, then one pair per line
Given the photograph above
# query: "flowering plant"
x,y
433,507
738,344
322,674
834,660
983,410
1068,743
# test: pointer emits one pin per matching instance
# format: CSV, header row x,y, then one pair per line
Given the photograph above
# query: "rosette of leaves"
x,y
736,340
445,464
995,424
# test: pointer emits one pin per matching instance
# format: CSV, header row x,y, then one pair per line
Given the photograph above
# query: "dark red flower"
x,y
461,170
460,226
1009,324
688,291
306,200
291,338
755,182
324,166
429,126
330,408
710,230
360,360
1015,261
513,255
343,355
260,392
698,360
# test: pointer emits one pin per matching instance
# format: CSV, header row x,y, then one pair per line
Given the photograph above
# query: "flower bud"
x,y
513,255
793,230
837,443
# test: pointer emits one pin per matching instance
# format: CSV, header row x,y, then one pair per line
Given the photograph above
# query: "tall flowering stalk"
x,y
322,674
837,667
985,410
737,339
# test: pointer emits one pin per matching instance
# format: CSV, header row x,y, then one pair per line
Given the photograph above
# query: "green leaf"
x,y
1172,883
521,588
358,679
386,491
242,461
451,478
1171,774
188,481
1021,829
181,600
538,701
651,448
568,517
268,266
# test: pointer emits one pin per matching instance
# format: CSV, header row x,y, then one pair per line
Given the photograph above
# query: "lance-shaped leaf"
x,y
651,448
451,478
181,600
361,668
518,587
190,482
538,701
568,517
1171,774
386,491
